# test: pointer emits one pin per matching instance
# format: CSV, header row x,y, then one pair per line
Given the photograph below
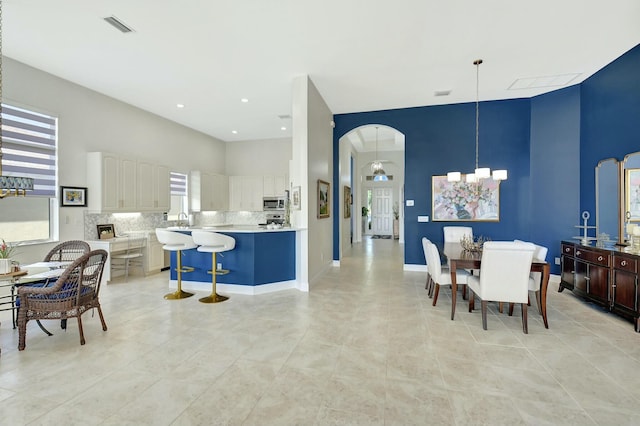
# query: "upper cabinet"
x,y
121,184
245,193
208,192
153,187
274,186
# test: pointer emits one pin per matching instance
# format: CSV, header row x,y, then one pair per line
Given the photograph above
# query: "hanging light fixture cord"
x,y
477,63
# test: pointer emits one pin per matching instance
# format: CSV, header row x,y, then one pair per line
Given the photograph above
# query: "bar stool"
x,y
214,243
177,241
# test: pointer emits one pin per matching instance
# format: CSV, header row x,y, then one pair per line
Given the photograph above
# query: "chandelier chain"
x,y
477,62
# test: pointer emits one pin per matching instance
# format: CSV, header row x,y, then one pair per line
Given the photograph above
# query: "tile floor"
x,y
363,347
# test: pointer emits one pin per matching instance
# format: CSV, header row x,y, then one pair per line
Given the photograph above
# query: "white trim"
x,y
336,263
414,267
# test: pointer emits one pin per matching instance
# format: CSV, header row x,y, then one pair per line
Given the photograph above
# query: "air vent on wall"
x,y
116,23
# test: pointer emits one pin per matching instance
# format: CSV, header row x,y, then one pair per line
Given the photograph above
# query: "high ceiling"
x,y
361,55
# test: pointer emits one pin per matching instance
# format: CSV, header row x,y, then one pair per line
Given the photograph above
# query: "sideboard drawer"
x,y
568,250
625,263
599,258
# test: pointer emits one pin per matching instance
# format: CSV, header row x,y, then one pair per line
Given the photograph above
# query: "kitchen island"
x,y
263,260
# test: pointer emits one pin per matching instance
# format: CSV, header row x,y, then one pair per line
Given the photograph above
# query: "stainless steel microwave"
x,y
272,203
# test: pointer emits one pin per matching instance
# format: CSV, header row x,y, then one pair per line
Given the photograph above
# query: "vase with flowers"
x,y
6,251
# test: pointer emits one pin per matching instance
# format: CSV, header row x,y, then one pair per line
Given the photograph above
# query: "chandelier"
x,y
376,165
9,185
479,172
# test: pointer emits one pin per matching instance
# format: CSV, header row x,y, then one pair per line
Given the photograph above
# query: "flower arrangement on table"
x,y
469,244
6,250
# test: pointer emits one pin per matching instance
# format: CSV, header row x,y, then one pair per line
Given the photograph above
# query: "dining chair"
x,y
73,294
453,234
504,276
441,275
429,284
67,251
540,254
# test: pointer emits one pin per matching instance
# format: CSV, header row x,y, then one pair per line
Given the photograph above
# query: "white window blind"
x,y
178,184
29,148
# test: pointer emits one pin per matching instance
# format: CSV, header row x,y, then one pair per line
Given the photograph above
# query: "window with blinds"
x,y
29,143
29,148
179,195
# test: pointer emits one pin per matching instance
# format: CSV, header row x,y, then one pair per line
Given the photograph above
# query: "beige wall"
x,y
89,121
259,157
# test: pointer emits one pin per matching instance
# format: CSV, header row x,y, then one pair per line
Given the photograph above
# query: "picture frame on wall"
x,y
347,202
323,198
73,196
295,198
464,201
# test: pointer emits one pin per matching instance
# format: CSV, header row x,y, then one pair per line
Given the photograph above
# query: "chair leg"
x,y
525,326
472,297
104,324
435,294
539,302
500,307
213,297
22,331
483,303
511,309
80,330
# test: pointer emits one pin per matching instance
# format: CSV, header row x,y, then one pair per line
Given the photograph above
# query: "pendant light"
x,y
9,185
376,166
479,172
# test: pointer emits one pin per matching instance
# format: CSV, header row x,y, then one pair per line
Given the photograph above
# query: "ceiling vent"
x,y
543,82
116,23
284,117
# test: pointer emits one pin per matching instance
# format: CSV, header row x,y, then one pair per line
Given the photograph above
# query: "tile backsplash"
x,y
129,222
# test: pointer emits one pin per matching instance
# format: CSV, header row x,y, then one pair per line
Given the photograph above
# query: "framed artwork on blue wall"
x,y
462,201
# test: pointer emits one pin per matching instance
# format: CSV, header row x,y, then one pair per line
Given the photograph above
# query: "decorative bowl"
x,y
469,244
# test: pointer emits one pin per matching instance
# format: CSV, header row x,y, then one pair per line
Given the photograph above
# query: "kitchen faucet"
x,y
181,216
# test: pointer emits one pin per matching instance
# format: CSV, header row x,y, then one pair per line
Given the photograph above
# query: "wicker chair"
x,y
67,251
74,293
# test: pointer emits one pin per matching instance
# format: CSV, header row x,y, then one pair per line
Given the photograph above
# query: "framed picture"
x,y
632,194
106,231
73,196
295,198
462,201
323,199
347,202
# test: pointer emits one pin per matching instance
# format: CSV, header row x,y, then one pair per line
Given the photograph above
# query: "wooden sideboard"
x,y
608,277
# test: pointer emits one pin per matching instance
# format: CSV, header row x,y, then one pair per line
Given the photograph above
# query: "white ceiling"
x,y
362,55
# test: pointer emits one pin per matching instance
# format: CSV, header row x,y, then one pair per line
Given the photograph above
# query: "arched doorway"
x,y
377,204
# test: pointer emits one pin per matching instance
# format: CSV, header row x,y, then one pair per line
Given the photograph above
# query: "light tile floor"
x,y
363,347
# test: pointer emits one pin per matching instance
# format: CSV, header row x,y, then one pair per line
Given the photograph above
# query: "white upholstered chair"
x,y
540,254
441,275
504,276
178,242
429,284
214,243
453,234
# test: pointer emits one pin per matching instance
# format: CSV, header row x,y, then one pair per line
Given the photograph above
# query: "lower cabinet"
x,y
155,254
607,277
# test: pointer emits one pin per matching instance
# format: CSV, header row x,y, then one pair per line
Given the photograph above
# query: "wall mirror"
x,y
607,198
631,186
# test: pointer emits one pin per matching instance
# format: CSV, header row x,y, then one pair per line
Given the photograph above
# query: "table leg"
x,y
546,271
454,287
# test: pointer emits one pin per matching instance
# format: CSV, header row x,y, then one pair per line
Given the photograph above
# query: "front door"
x,y
382,213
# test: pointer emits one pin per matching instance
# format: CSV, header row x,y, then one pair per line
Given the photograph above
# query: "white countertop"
x,y
231,228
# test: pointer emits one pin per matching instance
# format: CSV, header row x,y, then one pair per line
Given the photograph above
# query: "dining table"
x,y
459,258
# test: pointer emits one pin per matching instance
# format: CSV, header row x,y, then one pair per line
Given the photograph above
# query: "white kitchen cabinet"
x,y
274,186
245,193
112,182
153,187
209,191
155,254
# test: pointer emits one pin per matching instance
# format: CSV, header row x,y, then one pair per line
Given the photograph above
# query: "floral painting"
x,y
462,201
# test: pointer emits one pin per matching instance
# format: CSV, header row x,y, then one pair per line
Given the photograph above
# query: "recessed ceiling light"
x,y
235,132
244,100
283,128
180,105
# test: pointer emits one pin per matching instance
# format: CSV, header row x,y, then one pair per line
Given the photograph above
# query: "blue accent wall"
x,y
550,145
